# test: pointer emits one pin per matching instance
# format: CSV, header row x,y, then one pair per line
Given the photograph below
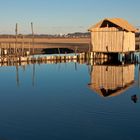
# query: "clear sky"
x,y
63,16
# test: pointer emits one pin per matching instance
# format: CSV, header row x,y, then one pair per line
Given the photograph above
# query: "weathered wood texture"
x,y
111,40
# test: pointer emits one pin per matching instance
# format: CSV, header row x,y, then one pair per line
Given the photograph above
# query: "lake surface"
x,y
69,101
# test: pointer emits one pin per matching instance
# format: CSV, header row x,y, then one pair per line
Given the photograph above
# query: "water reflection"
x,y
53,99
105,79
111,80
139,77
33,66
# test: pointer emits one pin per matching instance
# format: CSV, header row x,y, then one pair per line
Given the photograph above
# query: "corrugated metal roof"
x,y
117,21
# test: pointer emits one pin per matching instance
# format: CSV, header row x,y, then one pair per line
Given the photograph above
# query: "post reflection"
x,y
135,97
111,80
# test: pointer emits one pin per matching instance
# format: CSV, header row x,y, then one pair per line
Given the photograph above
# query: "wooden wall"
x,y
112,40
111,77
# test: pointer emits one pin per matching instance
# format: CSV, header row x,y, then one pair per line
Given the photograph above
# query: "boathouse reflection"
x,y
111,80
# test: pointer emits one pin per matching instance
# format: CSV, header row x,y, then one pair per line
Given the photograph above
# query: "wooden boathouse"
x,y
112,35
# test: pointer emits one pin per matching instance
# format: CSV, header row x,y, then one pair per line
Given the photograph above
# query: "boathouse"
x,y
113,35
111,80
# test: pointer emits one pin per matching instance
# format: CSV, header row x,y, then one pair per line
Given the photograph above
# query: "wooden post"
x,y
32,28
91,55
22,45
29,45
59,51
123,57
0,52
139,43
16,34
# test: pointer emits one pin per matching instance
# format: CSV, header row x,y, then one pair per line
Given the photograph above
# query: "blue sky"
x,y
63,16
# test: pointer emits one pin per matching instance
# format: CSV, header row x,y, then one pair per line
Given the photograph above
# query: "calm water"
x,y
69,102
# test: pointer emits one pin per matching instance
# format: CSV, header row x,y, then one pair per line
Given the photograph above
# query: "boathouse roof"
x,y
114,22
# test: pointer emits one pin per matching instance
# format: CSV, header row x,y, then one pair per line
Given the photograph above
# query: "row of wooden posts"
x,y
12,49
81,57
33,58
17,48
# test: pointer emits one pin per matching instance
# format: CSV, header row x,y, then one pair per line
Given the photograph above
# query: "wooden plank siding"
x,y
111,77
112,40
